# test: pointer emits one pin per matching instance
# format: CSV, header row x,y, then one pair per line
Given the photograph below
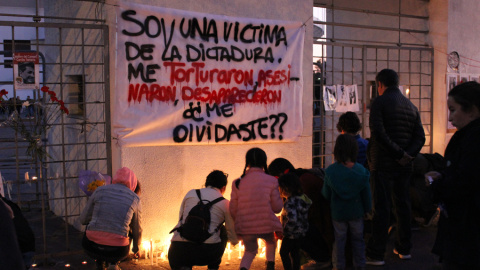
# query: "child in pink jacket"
x,y
254,201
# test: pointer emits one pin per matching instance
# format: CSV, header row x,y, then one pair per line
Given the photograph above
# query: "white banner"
x,y
193,78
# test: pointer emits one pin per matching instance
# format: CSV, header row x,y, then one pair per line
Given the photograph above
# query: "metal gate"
x,y
73,63
346,64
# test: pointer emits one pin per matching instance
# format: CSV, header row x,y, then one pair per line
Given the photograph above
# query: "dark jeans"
x,y
290,253
102,253
315,245
183,255
390,190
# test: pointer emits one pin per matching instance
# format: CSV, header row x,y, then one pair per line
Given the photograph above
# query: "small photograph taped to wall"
x,y
347,98
26,71
330,97
451,81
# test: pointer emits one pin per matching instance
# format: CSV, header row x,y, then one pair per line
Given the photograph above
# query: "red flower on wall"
x,y
34,131
53,98
3,92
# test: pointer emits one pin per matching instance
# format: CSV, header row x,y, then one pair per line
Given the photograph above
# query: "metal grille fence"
x,y
344,64
74,64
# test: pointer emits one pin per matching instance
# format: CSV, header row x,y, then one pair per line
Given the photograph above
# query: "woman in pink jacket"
x,y
254,201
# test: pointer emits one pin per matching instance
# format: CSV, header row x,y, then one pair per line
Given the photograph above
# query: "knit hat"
x,y
126,177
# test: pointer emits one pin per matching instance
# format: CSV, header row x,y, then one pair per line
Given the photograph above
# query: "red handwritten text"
x,y
232,96
151,92
196,72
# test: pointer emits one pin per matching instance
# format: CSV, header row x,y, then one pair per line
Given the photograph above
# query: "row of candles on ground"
x,y
160,251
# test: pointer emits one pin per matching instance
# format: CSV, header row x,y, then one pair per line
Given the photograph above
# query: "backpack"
x,y
196,225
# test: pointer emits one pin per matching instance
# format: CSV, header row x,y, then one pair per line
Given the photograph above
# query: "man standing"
x,y
397,136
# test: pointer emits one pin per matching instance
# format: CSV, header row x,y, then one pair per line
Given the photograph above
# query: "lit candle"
x,y
151,251
262,248
228,251
146,247
240,249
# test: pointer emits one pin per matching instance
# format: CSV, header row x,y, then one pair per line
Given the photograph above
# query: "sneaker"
x,y
402,256
270,265
371,261
313,265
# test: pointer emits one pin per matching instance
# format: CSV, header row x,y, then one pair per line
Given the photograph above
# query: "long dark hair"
x,y
255,157
467,95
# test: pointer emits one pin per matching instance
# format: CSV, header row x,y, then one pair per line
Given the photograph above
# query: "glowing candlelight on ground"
x,y
67,265
262,248
146,247
34,178
84,262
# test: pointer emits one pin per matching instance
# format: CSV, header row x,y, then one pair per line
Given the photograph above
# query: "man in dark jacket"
x,y
397,136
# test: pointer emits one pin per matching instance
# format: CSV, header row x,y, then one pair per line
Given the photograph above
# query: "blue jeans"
x,y
390,190
355,228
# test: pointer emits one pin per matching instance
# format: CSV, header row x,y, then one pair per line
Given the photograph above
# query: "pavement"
x,y
74,258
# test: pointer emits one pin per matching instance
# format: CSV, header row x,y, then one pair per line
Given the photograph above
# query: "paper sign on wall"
x,y
341,98
193,78
26,70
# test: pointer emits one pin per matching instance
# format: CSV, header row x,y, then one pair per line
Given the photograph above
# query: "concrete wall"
x,y
438,38
168,172
462,22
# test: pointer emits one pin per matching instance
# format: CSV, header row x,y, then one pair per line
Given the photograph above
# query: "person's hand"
x,y
431,176
136,255
405,159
